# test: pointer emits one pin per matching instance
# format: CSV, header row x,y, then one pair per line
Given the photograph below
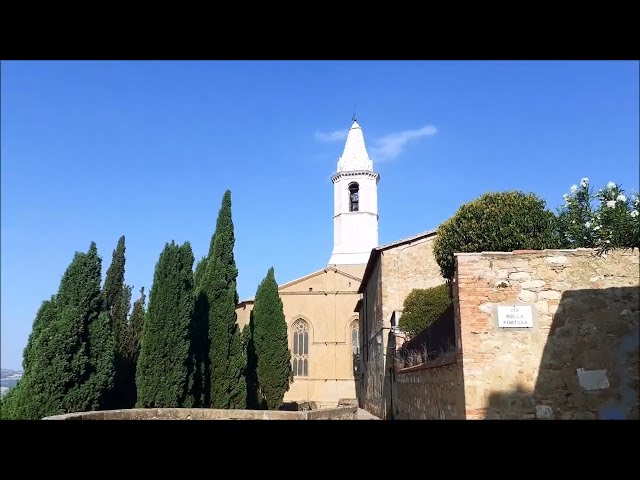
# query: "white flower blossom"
x,y
608,241
574,188
621,198
597,227
584,182
611,185
633,213
611,203
588,224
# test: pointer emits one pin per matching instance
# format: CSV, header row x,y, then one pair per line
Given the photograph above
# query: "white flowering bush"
x,y
606,219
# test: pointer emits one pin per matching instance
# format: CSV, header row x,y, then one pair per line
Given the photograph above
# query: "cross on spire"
x,y
354,118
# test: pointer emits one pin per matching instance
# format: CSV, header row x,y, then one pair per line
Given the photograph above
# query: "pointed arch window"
x,y
354,197
300,356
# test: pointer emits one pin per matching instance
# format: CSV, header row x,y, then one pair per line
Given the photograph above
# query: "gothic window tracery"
x,y
300,358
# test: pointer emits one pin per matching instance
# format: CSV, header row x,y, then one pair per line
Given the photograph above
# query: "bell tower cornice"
x,y
355,173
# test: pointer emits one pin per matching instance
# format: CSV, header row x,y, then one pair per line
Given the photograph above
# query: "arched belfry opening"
x,y
354,197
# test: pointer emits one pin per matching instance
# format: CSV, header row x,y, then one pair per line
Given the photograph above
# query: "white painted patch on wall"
x,y
593,379
515,316
544,412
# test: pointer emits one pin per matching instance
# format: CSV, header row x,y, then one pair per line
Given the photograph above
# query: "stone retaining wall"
x,y
431,391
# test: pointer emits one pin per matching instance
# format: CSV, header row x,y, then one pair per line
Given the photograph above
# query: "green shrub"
x,y
7,402
498,222
423,306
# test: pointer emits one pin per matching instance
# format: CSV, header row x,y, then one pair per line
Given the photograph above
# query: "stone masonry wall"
x,y
432,391
372,354
400,269
405,268
578,360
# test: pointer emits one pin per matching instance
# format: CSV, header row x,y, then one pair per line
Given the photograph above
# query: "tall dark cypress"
x,y
134,337
273,358
251,375
94,394
114,291
136,323
117,302
162,369
199,340
37,394
69,360
227,356
45,315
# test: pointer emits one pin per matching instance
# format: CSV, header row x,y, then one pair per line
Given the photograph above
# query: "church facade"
x,y
323,328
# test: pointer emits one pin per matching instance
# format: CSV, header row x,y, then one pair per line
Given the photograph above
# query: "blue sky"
x,y
94,150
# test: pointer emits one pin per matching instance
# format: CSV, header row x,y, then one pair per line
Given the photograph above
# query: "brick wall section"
x,y
586,316
432,391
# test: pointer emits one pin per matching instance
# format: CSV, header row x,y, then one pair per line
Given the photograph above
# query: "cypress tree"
x,y
134,336
199,340
45,315
273,358
136,323
7,404
114,293
117,302
250,375
101,346
68,361
227,360
237,367
83,296
201,266
162,368
34,396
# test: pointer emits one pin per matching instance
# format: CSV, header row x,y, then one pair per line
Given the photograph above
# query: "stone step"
x,y
364,415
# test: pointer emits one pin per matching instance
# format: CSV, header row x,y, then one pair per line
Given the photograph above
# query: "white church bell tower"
x,y
355,189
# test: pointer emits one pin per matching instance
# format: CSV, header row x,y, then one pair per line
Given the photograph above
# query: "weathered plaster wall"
x,y
579,360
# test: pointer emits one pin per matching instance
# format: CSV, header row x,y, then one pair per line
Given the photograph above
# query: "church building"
x,y
319,307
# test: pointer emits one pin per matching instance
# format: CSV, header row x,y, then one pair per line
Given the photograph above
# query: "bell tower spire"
x,y
355,187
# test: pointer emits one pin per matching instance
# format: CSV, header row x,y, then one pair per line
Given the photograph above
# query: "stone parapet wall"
x,y
340,413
